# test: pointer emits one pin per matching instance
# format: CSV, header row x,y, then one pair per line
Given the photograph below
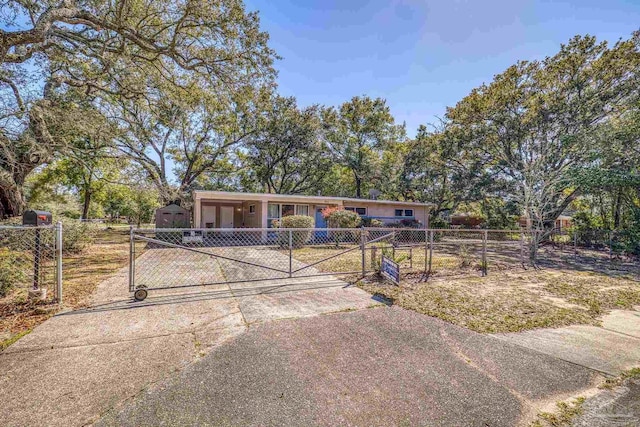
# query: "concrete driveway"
x,y
215,355
80,364
376,367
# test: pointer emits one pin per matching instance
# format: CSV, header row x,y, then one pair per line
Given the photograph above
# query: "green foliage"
x,y
388,252
372,222
77,235
287,154
298,237
178,81
10,271
539,121
341,218
357,133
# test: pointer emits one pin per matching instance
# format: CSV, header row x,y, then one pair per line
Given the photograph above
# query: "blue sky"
x,y
422,56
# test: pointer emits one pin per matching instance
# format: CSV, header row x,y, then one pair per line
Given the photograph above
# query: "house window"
x,y
399,212
275,211
288,210
252,209
359,211
408,212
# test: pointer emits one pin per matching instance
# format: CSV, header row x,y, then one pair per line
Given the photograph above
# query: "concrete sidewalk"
x,y
612,348
79,364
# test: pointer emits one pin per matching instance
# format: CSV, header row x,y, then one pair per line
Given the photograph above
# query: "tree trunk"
x,y
11,201
616,211
86,203
11,194
358,187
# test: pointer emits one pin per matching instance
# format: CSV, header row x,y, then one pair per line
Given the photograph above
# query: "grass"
x,y
509,299
513,302
480,306
413,259
82,274
611,383
596,292
13,338
563,416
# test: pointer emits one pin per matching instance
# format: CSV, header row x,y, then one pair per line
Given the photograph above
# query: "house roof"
x,y
233,195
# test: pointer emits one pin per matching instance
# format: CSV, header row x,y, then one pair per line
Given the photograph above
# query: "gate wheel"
x,y
140,294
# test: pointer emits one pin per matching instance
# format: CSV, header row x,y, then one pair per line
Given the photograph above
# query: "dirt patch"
x,y
512,302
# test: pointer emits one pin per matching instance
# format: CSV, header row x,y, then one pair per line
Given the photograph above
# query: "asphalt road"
x,y
374,367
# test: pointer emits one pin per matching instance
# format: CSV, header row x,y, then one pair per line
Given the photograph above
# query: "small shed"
x,y
173,216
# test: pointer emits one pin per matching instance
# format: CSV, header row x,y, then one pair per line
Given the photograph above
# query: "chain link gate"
x,y
178,258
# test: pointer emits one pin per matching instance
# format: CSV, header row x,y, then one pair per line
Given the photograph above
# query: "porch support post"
x,y
197,212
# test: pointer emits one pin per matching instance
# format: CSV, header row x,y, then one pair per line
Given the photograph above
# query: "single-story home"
x,y
223,209
561,224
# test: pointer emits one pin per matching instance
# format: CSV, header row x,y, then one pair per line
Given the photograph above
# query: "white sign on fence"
x,y
192,236
390,269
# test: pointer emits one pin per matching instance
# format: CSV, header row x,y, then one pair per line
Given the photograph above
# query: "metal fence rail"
x,y
172,258
31,259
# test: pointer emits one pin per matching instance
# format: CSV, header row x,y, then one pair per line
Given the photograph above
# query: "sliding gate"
x,y
179,258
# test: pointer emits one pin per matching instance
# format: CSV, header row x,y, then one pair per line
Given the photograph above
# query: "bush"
x,y
10,272
77,235
372,222
299,237
340,218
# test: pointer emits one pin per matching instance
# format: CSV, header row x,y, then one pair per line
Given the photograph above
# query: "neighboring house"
x,y
222,209
562,222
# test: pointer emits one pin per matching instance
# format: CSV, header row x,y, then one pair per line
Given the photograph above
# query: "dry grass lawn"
x,y
82,274
513,301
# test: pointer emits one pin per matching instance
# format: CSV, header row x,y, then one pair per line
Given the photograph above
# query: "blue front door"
x,y
320,223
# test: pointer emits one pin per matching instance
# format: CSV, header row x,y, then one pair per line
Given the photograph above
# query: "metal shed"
x,y
173,216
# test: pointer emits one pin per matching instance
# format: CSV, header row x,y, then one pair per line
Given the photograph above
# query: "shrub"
x,y
341,218
372,222
10,272
299,237
77,235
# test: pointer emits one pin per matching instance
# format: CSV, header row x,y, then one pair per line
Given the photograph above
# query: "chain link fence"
x,y
31,259
590,250
173,258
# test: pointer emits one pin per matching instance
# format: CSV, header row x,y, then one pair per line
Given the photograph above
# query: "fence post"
x,y
534,251
575,243
522,248
59,261
430,251
426,250
610,246
131,259
290,253
484,253
411,257
363,250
